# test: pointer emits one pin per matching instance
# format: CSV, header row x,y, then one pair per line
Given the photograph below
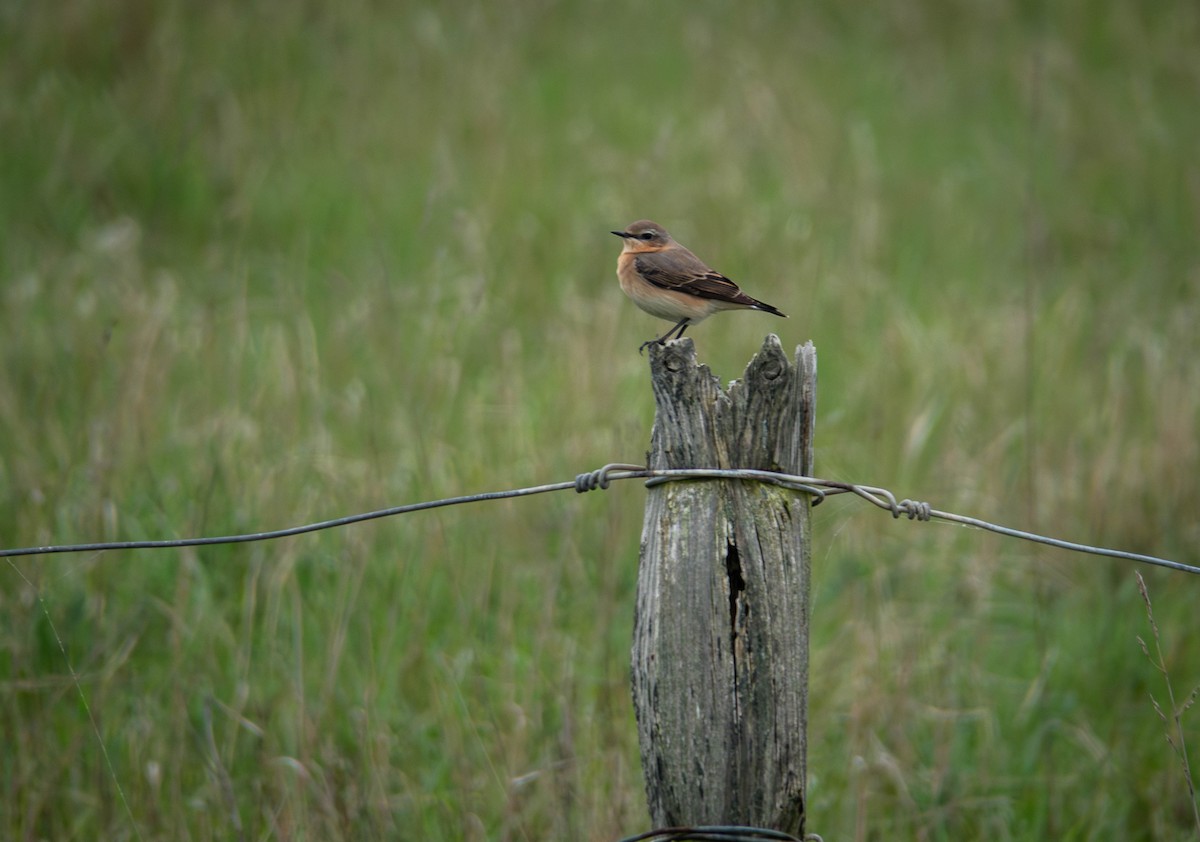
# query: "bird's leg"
x,y
662,340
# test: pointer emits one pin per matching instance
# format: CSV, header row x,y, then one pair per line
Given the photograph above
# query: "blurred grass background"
x,y
267,263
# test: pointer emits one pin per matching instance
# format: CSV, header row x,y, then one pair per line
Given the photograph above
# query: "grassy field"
x,y
267,263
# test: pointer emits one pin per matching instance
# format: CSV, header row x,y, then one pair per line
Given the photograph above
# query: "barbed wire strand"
x,y
818,488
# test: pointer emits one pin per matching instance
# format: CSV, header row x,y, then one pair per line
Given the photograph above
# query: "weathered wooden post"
x,y
720,648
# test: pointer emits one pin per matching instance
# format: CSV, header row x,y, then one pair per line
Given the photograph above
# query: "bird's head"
x,y
645,235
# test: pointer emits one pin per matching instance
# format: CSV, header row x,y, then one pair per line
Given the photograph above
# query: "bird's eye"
x,y
647,235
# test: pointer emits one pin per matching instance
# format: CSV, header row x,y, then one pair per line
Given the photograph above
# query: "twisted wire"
x,y
818,489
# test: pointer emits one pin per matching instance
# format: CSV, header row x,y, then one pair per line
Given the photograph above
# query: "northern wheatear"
x,y
668,281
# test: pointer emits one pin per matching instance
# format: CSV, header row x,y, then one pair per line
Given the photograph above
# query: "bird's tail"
x,y
766,308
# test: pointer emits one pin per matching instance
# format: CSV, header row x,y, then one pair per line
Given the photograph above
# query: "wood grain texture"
x,y
720,651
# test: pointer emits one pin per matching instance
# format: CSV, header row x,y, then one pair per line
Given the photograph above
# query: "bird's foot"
x,y
642,347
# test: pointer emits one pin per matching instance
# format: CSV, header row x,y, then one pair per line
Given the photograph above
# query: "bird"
x,y
668,281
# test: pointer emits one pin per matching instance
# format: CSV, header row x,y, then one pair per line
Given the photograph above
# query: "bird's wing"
x,y
682,271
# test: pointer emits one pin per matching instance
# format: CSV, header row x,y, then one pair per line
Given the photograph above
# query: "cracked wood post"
x,y
720,649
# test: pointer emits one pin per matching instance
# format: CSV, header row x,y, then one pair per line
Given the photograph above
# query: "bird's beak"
x,y
621,234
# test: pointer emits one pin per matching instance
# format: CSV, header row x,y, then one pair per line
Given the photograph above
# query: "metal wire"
x,y
715,833
818,489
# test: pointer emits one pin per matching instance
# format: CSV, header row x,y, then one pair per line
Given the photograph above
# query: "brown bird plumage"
x,y
668,281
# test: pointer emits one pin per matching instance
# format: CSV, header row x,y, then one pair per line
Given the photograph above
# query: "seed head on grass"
x,y
1174,725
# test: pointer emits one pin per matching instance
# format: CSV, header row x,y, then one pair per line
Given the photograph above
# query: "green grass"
x,y
262,264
